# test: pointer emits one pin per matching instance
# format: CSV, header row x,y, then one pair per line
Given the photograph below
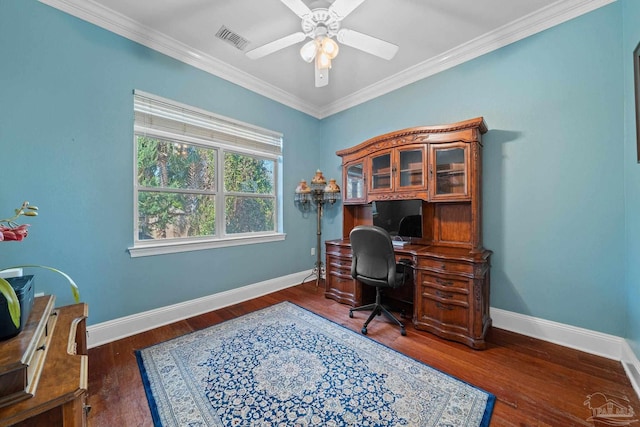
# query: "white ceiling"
x,y
433,35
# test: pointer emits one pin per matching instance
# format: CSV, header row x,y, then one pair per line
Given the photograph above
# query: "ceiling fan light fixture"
x,y
323,61
322,25
308,50
330,47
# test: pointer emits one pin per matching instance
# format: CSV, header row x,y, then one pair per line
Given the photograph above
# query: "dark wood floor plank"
x,y
536,383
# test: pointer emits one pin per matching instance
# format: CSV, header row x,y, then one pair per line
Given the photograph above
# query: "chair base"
x,y
376,309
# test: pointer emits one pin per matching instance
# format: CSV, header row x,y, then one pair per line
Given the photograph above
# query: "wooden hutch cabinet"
x,y
442,167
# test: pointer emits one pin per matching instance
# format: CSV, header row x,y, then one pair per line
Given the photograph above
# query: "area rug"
x,y
286,366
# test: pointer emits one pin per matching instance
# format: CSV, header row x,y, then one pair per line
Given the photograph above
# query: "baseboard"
x,y
605,345
631,366
123,327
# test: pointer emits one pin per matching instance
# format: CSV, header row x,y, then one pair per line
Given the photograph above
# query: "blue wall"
x,y
553,178
66,136
555,166
631,38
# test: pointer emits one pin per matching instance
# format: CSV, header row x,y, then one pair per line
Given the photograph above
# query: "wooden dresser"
x,y
43,370
442,167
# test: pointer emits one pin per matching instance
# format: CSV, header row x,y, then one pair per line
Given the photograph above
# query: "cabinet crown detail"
x,y
418,135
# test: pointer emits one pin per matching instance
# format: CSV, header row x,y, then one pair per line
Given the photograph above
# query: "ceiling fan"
x,y
321,25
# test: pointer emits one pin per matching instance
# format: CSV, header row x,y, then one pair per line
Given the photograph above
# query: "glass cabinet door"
x,y
450,171
381,172
354,182
411,165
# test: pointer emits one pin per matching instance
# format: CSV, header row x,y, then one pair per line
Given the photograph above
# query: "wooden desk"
x,y
450,288
441,166
61,390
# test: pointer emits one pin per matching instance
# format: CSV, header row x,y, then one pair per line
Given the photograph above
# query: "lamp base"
x,y
318,272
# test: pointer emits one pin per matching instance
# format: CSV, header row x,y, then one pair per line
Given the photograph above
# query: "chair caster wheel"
x,y
364,331
403,332
351,314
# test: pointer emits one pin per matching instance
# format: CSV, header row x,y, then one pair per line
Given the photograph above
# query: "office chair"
x,y
374,264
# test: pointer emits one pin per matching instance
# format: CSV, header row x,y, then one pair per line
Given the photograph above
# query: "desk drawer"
x,y
455,296
342,289
451,317
443,282
338,250
445,266
340,266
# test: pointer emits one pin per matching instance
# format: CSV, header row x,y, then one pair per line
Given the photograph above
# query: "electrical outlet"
x,y
313,251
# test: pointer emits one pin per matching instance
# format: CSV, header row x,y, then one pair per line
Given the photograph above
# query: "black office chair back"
x,y
374,262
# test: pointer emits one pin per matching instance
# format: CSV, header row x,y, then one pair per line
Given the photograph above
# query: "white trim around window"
x,y
170,247
156,117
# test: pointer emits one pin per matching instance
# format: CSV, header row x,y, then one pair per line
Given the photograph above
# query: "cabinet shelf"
x,y
412,171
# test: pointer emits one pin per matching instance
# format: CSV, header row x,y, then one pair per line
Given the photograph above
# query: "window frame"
x,y
222,143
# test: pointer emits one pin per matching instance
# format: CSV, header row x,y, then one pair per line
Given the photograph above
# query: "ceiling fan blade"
x,y
276,45
344,7
367,43
298,7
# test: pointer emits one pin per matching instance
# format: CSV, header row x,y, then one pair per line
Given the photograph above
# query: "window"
x,y
201,180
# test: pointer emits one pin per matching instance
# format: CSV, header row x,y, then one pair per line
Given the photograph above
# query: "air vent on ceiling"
x,y
230,37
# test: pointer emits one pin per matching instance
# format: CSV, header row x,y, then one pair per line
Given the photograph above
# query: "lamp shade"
x,y
303,187
331,191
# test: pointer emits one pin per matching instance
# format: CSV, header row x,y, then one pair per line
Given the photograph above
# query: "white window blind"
x,y
155,113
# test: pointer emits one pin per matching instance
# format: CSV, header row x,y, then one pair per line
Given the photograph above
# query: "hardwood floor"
x,y
536,383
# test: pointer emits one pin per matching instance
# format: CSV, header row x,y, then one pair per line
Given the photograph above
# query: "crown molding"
x,y
552,15
112,21
545,18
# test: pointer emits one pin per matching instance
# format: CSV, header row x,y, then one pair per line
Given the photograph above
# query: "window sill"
x,y
160,248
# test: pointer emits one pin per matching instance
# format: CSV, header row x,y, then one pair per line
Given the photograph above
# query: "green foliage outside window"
x,y
246,174
178,191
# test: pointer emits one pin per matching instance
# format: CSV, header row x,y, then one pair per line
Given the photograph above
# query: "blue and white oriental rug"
x,y
285,366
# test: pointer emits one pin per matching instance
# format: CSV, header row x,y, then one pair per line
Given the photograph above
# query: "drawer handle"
x,y
444,294
443,266
444,282
443,306
42,347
